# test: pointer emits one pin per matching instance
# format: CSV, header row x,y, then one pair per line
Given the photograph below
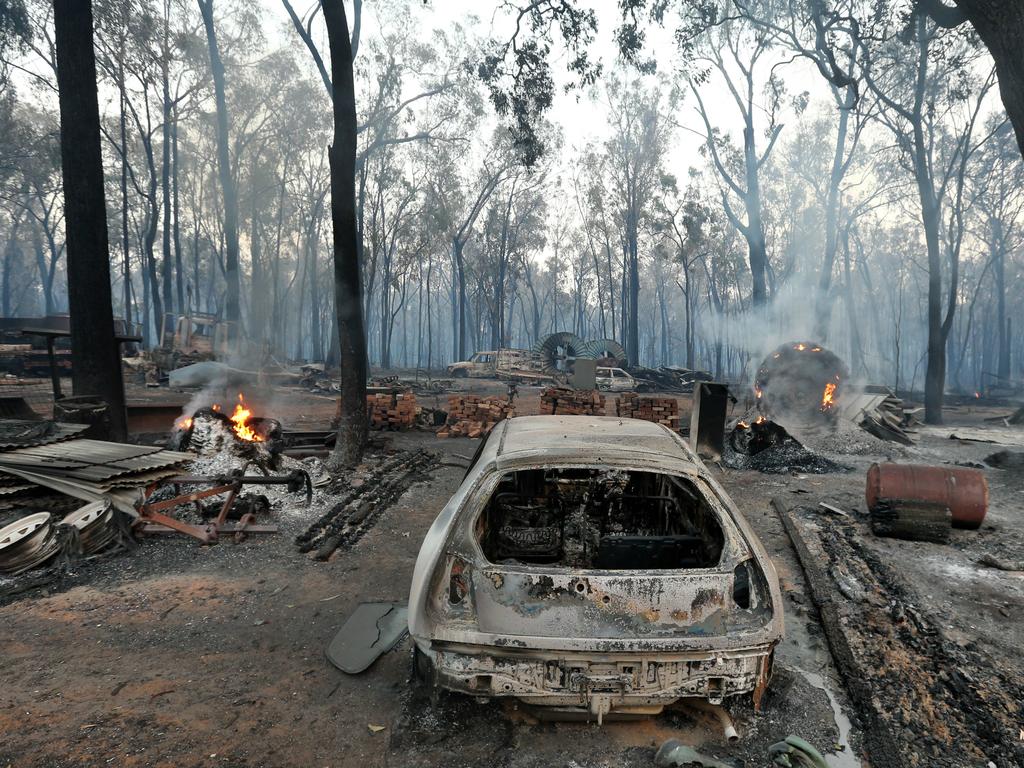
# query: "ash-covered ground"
x,y
184,655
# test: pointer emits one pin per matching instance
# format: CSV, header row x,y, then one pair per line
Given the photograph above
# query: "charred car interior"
x,y
599,519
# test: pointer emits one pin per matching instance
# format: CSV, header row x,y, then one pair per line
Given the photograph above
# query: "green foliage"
x,y
517,72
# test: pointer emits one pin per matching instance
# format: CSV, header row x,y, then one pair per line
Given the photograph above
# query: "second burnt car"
x,y
592,564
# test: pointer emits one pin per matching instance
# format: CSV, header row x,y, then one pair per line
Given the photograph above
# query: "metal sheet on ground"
x,y
372,630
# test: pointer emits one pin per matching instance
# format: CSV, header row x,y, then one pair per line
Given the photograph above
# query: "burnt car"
x,y
593,565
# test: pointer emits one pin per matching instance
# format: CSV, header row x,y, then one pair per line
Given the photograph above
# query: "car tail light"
x,y
458,582
741,585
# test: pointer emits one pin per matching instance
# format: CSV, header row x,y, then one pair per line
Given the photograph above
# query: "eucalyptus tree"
x,y
739,55
683,219
599,225
997,182
35,191
512,230
928,90
827,39
1000,25
228,182
636,150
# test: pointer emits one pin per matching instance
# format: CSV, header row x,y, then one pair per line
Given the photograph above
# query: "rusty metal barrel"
x,y
963,491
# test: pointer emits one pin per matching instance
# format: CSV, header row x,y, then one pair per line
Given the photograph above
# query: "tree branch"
x,y
942,14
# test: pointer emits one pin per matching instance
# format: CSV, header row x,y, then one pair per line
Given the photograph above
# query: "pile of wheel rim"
x,y
27,543
95,526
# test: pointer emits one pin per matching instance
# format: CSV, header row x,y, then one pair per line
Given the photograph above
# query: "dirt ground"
x,y
183,655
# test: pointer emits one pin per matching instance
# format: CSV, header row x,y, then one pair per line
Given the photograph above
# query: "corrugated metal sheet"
x,y
91,469
22,433
92,461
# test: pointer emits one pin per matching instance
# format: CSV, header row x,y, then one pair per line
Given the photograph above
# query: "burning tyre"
x,y
800,380
593,565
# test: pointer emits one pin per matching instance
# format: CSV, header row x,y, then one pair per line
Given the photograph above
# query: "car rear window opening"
x,y
602,519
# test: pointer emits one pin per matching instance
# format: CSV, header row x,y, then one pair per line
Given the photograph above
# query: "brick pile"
x,y
660,410
473,415
571,402
393,411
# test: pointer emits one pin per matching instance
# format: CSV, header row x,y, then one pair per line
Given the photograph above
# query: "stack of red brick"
x,y
571,402
386,410
474,416
660,410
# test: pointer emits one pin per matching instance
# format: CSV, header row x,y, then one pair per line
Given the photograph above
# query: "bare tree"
x,y
736,54
229,190
353,429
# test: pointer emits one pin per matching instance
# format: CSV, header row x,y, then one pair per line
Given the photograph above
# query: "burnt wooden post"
x,y
96,359
51,354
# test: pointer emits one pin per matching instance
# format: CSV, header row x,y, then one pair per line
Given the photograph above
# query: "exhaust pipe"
x,y
718,713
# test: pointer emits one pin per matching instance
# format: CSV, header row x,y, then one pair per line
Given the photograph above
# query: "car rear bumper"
x,y
615,682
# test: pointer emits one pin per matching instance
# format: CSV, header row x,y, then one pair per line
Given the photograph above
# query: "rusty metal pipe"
x,y
963,491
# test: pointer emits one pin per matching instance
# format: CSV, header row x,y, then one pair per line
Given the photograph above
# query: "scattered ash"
x,y
283,503
765,446
847,439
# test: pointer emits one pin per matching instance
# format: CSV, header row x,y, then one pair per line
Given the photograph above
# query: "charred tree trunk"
x,y
352,427
315,329
857,366
824,312
149,239
257,284
632,287
125,256
44,282
999,268
179,270
166,262
232,311
95,354
498,323
9,251
460,279
754,233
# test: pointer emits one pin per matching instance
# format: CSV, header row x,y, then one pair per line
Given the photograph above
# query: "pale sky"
x,y
581,118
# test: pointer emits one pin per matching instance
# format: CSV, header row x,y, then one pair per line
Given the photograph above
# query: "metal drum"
x,y
963,491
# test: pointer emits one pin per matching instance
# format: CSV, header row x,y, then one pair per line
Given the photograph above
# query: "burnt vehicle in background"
x,y
591,564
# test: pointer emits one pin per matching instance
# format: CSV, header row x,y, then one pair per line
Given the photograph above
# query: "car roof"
x,y
575,438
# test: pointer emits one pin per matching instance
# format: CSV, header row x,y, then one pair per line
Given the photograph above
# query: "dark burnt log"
x,y
913,521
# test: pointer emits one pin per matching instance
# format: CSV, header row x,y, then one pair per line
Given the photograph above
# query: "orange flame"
x,y
183,423
760,420
743,425
800,347
828,397
239,419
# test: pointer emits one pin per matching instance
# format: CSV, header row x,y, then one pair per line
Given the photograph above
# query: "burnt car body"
x,y
592,564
